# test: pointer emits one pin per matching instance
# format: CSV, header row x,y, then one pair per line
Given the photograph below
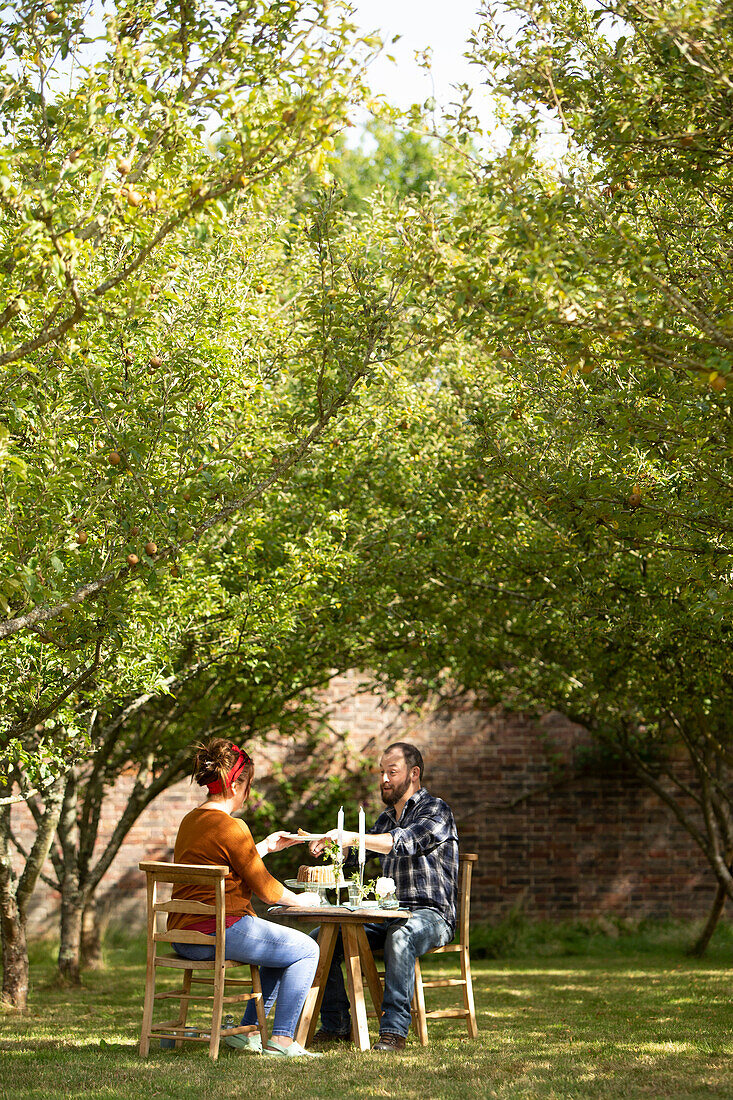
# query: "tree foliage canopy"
x,y
275,407
590,567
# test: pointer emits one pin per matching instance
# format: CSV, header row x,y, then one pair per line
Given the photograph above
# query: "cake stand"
x,y
320,889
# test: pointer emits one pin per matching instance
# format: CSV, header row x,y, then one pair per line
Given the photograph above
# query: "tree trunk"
x,y
699,947
72,910
14,947
15,893
94,927
15,953
713,842
72,897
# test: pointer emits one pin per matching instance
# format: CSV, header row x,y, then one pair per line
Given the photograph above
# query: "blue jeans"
x,y
403,942
287,960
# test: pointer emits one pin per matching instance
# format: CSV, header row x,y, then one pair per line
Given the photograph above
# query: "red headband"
x,y
243,759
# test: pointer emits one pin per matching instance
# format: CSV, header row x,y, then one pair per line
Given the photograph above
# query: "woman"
x,y
286,957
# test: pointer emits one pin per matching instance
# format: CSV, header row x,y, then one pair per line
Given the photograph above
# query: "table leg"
x,y
370,970
312,1006
355,987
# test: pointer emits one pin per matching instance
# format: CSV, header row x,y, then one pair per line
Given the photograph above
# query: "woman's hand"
x,y
275,842
289,897
310,900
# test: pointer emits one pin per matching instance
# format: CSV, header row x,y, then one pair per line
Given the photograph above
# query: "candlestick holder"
x,y
338,870
335,852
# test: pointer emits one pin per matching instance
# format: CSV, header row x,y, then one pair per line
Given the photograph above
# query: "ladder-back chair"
x,y
212,974
420,1016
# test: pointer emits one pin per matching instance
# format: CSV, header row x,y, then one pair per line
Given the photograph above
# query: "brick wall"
x,y
553,838
556,843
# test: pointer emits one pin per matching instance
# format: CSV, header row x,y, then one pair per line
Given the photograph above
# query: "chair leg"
x,y
183,1011
218,1005
259,1004
147,1007
468,994
420,1022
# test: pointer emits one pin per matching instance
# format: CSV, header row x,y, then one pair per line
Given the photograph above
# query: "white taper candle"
x,y
362,830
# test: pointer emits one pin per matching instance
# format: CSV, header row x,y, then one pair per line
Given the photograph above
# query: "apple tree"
x,y
131,148
584,562
160,451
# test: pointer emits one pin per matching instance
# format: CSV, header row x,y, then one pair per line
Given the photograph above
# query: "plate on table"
x,y
295,884
305,836
369,907
283,909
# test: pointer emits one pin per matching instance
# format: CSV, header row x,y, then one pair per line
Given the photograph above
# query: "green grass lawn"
x,y
623,1019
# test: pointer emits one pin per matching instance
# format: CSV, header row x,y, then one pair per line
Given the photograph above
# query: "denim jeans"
x,y
287,960
403,942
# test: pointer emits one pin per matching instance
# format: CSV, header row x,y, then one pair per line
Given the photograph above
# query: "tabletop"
x,y
333,914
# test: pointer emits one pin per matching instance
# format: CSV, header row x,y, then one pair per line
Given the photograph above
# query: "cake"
x,y
317,876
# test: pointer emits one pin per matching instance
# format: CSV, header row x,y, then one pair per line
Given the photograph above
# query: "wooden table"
x,y
357,956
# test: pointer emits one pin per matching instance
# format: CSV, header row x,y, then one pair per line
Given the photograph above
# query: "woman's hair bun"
x,y
213,760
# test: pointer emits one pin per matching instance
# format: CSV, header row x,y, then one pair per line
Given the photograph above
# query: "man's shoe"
x,y
390,1043
325,1036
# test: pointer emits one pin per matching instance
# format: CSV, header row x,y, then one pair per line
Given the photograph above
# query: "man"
x,y
417,844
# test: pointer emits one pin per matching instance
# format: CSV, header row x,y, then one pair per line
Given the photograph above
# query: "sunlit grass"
x,y
621,1025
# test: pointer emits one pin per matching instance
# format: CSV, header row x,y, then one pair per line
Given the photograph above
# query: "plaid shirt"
x,y
424,857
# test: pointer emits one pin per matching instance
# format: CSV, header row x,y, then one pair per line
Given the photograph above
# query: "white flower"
x,y
384,887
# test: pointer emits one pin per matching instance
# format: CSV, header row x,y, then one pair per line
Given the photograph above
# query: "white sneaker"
x,y
295,1050
252,1042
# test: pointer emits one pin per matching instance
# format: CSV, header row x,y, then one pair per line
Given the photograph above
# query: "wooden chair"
x,y
468,1012
216,981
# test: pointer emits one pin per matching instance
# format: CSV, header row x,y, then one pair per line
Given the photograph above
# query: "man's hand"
x,y
316,847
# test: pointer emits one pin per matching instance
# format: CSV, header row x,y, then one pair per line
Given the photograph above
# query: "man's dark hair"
x,y
413,756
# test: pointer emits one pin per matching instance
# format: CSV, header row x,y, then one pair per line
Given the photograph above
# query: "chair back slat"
x,y
200,908
198,874
184,935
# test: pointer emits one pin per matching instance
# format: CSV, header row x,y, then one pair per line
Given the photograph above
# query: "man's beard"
x,y
389,798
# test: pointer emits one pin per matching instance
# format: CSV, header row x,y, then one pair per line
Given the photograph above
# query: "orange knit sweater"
x,y
207,835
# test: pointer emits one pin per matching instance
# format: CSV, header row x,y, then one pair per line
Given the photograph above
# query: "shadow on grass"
x,y
598,1027
40,1045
